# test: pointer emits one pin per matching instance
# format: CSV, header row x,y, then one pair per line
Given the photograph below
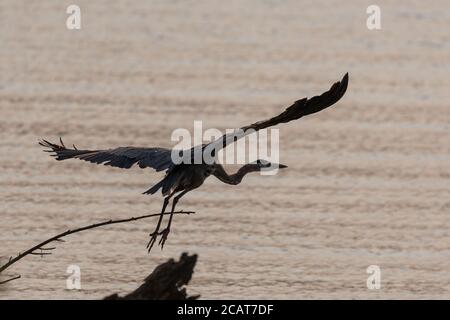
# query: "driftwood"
x,y
41,250
165,282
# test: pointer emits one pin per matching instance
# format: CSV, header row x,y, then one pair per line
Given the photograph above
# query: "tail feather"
x,y
155,188
169,183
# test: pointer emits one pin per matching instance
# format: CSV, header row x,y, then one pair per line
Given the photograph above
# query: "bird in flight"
x,y
180,178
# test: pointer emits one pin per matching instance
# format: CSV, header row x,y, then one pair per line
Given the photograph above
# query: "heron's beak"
x,y
282,166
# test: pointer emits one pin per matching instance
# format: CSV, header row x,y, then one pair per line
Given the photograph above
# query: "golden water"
x,y
368,180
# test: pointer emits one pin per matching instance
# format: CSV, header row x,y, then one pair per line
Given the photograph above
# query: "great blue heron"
x,y
183,177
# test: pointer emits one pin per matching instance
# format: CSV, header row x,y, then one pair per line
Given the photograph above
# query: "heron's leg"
x,y
154,234
166,231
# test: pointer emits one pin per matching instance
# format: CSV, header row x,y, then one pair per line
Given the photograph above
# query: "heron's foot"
x,y
151,242
164,234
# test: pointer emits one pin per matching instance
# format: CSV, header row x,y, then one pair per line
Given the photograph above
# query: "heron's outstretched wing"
x,y
299,109
123,157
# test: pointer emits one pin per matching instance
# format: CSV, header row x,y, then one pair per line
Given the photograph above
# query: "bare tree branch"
x,y
57,238
10,279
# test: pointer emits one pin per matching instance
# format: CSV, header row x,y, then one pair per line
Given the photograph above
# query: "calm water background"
x,y
368,181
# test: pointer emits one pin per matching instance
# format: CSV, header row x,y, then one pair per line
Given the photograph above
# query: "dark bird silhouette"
x,y
185,176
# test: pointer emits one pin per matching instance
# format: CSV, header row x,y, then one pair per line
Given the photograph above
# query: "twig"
x,y
56,238
11,279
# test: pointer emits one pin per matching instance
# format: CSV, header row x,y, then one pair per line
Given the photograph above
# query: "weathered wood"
x,y
166,282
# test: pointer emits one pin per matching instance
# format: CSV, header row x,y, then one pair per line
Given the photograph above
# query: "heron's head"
x,y
264,165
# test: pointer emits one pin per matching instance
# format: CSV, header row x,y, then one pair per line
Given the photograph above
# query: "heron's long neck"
x,y
236,178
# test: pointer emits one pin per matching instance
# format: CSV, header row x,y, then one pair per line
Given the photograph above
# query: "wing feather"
x,y
299,109
122,157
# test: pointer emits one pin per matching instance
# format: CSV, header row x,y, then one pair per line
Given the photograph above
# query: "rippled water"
x,y
368,180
